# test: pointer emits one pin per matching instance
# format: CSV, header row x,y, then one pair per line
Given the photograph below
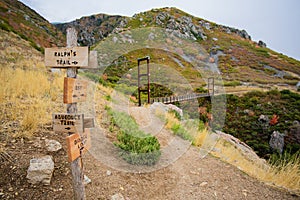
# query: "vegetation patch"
x,y
243,113
137,147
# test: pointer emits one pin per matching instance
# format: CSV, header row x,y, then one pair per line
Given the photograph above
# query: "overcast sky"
x,y
276,22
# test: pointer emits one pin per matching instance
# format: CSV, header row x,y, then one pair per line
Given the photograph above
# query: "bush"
x,y
137,147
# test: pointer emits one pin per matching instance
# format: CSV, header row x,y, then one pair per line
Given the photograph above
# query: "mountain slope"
x,y
240,60
93,28
29,25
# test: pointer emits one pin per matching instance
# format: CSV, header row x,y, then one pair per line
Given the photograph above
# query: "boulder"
x,y
262,44
277,141
244,34
117,196
264,119
40,170
176,109
52,145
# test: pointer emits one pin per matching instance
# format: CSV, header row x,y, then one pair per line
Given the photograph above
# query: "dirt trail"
x,y
179,174
190,177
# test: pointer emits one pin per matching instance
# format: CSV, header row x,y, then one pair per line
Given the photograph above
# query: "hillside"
x,y
29,25
94,28
193,162
241,61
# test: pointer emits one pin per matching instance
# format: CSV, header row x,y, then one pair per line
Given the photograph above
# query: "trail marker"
x,y
72,58
67,123
74,90
63,57
77,144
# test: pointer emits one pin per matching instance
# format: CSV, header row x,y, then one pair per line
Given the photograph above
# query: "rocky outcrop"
x,y
182,27
93,29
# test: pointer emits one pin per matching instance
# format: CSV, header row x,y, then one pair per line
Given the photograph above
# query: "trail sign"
x,y
67,123
74,90
77,144
63,57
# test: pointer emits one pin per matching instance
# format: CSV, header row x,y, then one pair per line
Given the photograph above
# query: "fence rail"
x,y
186,97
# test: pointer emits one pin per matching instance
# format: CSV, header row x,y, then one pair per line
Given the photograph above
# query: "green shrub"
x,y
136,147
181,132
5,26
232,83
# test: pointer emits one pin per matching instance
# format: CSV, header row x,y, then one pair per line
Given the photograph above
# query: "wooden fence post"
x,y
76,168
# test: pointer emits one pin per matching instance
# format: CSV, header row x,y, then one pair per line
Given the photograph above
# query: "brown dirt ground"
x,y
190,177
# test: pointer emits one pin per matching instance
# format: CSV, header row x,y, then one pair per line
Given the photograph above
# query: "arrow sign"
x,y
63,57
70,123
77,144
74,90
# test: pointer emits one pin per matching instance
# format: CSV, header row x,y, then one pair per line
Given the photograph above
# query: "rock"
x,y
244,34
117,197
264,119
176,109
86,180
108,173
204,24
203,184
161,18
262,44
277,141
40,170
52,145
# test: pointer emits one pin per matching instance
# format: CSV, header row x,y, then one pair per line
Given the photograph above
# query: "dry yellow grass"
x,y
27,97
200,137
283,174
171,120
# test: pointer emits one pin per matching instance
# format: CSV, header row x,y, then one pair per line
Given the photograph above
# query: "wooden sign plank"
x,y
74,90
93,60
77,143
67,123
63,57
88,123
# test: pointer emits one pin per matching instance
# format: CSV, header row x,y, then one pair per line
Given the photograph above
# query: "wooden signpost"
x,y
78,140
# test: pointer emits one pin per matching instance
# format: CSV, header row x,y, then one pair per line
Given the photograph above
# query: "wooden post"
x,y
76,168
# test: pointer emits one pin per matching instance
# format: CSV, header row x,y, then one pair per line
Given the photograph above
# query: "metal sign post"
x,y
139,79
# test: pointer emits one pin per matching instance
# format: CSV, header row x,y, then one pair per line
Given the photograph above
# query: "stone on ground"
x,y
40,170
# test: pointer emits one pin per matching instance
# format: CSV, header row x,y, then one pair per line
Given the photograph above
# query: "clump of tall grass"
x,y
283,173
27,96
